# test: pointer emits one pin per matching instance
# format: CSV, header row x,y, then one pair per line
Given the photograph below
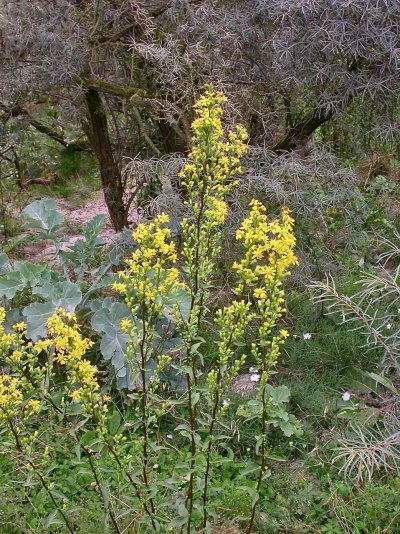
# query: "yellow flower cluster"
x,y
215,161
151,279
232,321
11,397
64,331
24,357
269,249
21,356
151,272
269,254
70,348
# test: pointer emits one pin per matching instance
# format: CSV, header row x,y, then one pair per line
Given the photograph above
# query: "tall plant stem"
x,y
190,359
192,422
133,484
262,451
217,397
143,403
96,477
41,479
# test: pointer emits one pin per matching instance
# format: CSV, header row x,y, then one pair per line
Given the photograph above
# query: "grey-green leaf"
x,y
36,315
10,284
43,214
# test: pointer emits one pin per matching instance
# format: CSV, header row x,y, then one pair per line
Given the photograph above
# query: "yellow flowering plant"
x,y
166,292
28,389
152,282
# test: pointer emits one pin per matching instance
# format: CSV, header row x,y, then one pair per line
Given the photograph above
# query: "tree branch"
x,y
298,134
56,135
114,89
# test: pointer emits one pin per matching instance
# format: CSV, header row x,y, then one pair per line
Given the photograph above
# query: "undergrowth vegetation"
x,y
231,364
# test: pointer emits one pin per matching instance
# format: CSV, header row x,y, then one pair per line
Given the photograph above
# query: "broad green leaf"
x,y
182,510
42,214
250,468
4,263
385,382
36,315
360,381
94,226
10,284
112,346
183,300
280,394
108,318
31,273
67,295
62,294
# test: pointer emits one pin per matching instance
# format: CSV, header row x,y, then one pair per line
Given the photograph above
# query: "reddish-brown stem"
x,y
96,477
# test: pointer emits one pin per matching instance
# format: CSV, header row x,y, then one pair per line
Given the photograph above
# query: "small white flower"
x,y
253,370
155,466
225,403
307,335
389,326
346,396
254,378
170,436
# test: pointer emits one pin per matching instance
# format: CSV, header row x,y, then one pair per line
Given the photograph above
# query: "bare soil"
x,y
75,219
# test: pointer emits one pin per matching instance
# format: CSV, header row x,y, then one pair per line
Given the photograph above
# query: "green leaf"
x,y
182,511
105,494
4,263
36,315
114,422
93,228
195,398
62,294
385,382
178,522
73,408
358,381
52,519
10,284
108,318
183,300
250,468
42,214
88,437
31,273
279,394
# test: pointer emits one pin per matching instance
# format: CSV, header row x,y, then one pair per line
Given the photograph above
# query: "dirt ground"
x,y
76,218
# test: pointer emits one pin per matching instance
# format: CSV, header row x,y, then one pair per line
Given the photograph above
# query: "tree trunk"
x,y
111,178
299,133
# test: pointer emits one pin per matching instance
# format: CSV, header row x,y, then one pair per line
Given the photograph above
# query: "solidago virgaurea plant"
x,y
152,281
28,389
166,289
